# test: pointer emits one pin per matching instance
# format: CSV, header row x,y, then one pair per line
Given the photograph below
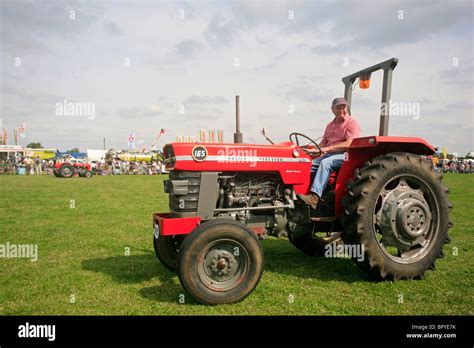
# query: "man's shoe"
x,y
311,199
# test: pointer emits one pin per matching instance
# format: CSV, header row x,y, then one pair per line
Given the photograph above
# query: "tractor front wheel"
x,y
220,262
397,211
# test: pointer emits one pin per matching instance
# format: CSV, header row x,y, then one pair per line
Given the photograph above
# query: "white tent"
x,y
96,155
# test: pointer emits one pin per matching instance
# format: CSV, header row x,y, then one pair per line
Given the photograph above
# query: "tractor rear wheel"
x,y
220,262
167,249
397,210
314,245
66,170
88,174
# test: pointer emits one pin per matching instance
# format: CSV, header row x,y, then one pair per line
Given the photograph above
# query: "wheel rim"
x,y
406,218
66,171
223,265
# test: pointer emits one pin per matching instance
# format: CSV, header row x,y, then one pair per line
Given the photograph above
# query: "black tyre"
x,y
220,262
314,245
56,173
66,170
398,211
88,174
167,249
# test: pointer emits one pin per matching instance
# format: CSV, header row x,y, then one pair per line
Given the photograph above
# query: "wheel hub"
x,y
404,218
220,264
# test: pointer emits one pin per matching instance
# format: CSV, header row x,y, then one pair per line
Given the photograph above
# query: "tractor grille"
x,y
183,189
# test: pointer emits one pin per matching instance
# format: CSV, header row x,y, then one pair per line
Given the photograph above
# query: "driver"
x,y
336,140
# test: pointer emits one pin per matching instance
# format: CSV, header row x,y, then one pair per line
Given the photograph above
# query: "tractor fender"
x,y
364,149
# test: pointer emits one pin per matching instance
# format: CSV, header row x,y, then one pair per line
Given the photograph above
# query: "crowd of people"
x,y
28,165
37,166
117,166
463,167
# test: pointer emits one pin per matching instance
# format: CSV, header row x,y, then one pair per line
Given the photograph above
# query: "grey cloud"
x,y
329,49
188,48
221,31
461,105
260,40
274,61
137,112
462,75
376,25
26,26
196,99
305,91
112,28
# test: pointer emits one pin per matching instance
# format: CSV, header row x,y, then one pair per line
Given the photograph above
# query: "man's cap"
x,y
339,101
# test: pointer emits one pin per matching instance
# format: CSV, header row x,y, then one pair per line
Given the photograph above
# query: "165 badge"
x,y
199,153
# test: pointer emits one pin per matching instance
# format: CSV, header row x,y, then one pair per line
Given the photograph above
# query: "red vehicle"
x,y
386,200
71,167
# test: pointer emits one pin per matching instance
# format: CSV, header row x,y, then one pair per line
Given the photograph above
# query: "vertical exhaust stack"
x,y
238,138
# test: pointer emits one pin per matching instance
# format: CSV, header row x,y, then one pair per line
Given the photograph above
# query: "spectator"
x,y
38,169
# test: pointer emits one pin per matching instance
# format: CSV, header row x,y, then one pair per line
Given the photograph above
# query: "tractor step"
x,y
324,219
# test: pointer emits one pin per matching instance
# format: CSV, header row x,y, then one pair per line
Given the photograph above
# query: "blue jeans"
x,y
323,166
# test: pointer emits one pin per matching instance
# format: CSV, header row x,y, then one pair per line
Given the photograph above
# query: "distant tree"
x,y
34,146
74,150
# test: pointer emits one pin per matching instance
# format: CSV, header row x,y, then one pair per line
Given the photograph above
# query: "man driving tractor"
x,y
336,140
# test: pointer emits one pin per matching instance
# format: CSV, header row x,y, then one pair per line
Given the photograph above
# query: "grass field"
x,y
85,228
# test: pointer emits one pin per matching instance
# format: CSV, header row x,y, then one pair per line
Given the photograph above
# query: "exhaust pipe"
x,y
238,138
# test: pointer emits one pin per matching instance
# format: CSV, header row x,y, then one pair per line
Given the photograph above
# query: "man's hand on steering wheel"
x,y
295,139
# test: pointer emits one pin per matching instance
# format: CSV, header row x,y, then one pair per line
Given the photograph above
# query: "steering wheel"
x,y
296,141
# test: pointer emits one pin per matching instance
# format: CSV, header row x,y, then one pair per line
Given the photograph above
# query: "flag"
x,y
15,136
202,135
22,130
162,131
220,136
131,141
445,153
211,136
5,136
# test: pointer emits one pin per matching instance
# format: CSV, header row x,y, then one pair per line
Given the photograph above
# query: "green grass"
x,y
82,253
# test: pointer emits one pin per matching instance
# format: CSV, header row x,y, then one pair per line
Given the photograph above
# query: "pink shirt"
x,y
339,131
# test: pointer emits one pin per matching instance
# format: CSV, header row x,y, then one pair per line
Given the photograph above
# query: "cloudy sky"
x,y
148,65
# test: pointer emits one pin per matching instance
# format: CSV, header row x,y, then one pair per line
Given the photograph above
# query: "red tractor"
x,y
71,167
386,199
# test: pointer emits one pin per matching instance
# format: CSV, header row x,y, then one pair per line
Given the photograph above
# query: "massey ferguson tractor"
x,y
224,198
70,168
